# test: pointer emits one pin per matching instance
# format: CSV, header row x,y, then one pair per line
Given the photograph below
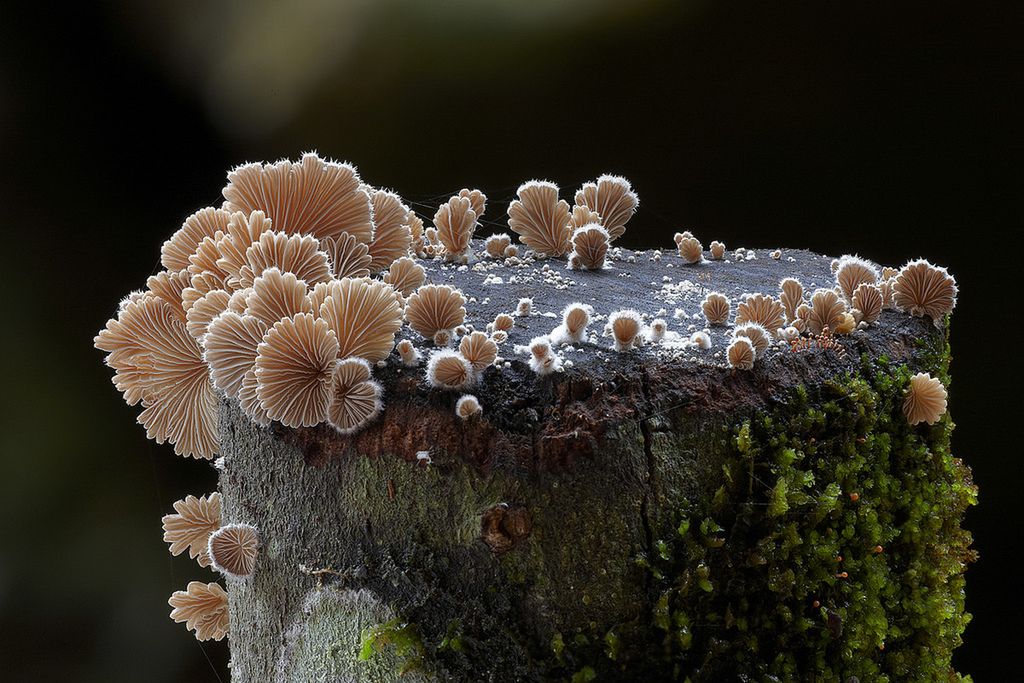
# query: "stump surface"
x,y
477,550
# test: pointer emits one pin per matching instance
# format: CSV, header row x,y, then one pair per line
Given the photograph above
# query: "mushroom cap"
x,y
478,349
204,609
347,255
233,549
925,399
432,308
311,196
540,218
590,247
364,315
761,309
191,525
293,370
355,397
613,199
741,353
716,308
392,235
922,289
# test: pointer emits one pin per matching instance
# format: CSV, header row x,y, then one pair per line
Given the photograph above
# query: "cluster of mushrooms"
x,y
289,295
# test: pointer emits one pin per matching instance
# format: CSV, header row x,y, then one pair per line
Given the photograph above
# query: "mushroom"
x,y
448,369
233,550
761,309
455,221
495,245
625,326
468,407
191,525
477,200
589,247
613,199
230,349
293,368
540,218
355,397
717,250
741,354
408,353
392,235
277,295
716,308
867,299
175,252
297,254
204,609
791,295
348,256
853,271
826,310
925,399
922,289
312,196
478,349
432,308
758,335
364,315
405,275
159,364
690,250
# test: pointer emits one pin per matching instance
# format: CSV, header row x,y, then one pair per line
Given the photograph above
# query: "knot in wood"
x,y
504,525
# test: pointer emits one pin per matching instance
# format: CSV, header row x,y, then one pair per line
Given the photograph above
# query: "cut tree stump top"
x,y
546,422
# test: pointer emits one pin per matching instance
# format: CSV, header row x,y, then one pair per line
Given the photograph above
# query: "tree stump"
x,y
648,514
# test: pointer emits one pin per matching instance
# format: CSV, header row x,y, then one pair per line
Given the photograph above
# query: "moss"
x,y
402,636
832,550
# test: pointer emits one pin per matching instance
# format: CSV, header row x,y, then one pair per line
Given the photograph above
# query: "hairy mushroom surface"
x,y
613,199
348,256
191,525
540,218
716,308
852,272
922,289
312,197
433,308
448,369
204,609
925,399
392,235
233,549
741,354
293,370
364,316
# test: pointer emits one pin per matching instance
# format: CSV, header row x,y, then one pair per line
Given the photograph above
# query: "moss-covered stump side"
x,y
815,537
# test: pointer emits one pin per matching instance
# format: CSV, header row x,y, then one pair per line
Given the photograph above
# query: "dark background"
x,y
884,129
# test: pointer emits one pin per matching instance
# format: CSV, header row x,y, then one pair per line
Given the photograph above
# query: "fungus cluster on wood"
x,y
288,296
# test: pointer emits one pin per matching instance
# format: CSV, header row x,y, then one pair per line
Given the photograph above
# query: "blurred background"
x,y
887,129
